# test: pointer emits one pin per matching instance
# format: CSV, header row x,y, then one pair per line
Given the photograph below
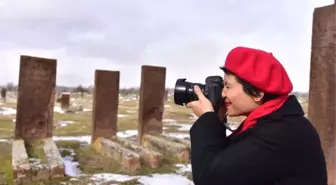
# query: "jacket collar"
x,y
290,108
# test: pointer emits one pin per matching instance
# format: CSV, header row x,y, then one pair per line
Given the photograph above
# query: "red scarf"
x,y
266,108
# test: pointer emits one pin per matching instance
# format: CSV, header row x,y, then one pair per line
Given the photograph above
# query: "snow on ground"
x,y
82,139
7,111
122,115
58,110
165,179
173,122
4,140
87,138
154,179
183,168
65,123
177,135
71,168
182,127
131,111
127,133
87,110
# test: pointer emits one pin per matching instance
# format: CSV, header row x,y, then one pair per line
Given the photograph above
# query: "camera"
x,y
212,89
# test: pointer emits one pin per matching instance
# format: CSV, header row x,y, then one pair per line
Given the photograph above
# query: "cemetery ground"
x,y
72,134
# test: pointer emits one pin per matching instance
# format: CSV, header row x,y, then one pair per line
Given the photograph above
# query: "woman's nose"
x,y
223,93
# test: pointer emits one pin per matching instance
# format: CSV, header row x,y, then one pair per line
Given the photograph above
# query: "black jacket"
x,y
283,148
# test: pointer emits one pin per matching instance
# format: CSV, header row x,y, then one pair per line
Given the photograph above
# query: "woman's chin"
x,y
233,114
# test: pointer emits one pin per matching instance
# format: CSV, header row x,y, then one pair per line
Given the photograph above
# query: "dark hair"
x,y
249,89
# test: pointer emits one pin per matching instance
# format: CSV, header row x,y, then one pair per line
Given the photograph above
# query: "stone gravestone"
x,y
3,94
322,102
36,91
151,104
65,100
105,104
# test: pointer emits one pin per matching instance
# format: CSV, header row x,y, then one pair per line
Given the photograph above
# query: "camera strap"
x,y
227,126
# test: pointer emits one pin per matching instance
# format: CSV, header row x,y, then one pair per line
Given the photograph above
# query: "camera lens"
x,y
184,91
180,91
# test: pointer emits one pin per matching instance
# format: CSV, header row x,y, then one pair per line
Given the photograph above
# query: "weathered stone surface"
x,y
150,157
20,162
55,160
36,91
322,99
65,100
105,104
178,140
151,103
178,150
127,158
39,169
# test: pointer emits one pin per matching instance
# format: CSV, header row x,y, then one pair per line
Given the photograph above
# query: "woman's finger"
x,y
199,92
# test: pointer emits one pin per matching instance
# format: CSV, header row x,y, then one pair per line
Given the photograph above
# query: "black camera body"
x,y
212,89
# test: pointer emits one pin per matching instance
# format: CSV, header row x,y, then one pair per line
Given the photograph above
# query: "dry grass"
x,y
6,163
90,162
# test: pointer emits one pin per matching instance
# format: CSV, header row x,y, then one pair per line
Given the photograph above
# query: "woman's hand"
x,y
202,105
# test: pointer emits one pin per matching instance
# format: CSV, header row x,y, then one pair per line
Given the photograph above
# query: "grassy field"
x,y
80,124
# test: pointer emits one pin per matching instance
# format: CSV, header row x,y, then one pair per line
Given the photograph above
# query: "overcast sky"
x,y
191,38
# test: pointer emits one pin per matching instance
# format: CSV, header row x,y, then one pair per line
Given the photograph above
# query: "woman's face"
x,y
237,102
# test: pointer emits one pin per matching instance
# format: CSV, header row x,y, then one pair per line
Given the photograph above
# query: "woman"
x,y
275,144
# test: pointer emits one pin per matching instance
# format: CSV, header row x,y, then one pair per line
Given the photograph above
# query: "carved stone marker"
x,y
151,104
36,91
150,157
3,93
128,159
65,100
321,110
105,104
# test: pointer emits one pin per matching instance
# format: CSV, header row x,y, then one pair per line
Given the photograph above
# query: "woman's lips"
x,y
227,104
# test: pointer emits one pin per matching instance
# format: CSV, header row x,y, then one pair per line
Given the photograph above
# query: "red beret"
x,y
259,68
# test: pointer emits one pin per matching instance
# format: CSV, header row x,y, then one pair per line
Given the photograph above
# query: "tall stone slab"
x,y
151,104
36,91
105,104
3,94
322,102
65,100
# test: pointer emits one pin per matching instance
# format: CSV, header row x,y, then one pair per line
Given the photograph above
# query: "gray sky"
x,y
189,37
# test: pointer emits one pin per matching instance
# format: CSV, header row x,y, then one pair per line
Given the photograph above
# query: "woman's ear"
x,y
258,99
